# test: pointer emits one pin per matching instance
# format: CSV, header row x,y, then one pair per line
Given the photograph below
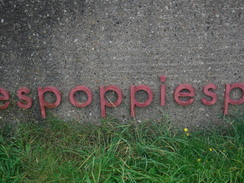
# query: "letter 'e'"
x,y
4,96
179,93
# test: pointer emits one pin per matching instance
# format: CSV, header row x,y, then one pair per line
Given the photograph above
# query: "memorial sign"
x,y
183,95
140,60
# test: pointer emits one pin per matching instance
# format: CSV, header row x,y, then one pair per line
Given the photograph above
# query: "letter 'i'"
x,y
163,92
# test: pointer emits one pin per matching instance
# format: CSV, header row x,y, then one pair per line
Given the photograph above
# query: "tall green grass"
x,y
57,151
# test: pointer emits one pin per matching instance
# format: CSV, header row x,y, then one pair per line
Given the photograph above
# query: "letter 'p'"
x,y
104,102
134,102
228,100
44,104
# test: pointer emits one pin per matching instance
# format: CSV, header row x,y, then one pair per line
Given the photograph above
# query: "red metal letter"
x,y
134,102
163,93
84,89
228,100
43,103
4,97
104,102
178,93
28,102
211,94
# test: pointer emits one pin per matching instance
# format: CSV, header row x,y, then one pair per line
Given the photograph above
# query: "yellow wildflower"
x,y
185,129
198,160
187,134
210,149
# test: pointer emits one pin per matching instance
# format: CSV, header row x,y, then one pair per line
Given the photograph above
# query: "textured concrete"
x,y
101,42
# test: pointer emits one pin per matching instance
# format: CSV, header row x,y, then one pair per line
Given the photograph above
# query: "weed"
x,y
57,151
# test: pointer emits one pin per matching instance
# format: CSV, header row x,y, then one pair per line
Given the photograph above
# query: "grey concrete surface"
x,y
67,43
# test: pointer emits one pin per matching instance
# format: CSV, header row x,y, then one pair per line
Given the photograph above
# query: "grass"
x,y
56,151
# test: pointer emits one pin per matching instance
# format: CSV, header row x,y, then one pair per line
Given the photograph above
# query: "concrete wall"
x,y
102,42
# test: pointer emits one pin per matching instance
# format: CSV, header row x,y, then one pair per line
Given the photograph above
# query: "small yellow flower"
x,y
210,149
198,160
185,129
187,134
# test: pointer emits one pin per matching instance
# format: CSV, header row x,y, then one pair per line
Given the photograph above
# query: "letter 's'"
x,y
206,91
25,101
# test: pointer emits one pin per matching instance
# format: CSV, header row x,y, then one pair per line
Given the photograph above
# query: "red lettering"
x,y
228,100
211,94
25,101
4,97
44,104
163,92
104,102
179,93
134,102
84,89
